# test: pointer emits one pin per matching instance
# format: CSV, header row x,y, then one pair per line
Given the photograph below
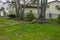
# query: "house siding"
x,y
34,10
1,13
52,9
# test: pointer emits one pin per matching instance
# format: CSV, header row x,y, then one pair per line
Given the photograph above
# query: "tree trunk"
x,y
38,9
22,12
43,9
18,8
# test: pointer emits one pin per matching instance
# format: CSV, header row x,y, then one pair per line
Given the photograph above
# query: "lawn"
x,y
19,30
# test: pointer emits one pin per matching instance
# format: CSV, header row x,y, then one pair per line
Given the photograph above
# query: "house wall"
x,y
34,10
52,9
1,13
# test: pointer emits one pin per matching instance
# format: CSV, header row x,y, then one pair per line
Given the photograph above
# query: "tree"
x,y
59,16
43,9
20,9
59,8
10,7
38,7
34,1
18,6
14,4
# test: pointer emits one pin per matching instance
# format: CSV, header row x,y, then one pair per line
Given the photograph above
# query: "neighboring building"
x,y
52,9
1,13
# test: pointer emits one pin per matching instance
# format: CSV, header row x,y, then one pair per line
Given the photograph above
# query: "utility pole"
x,y
43,9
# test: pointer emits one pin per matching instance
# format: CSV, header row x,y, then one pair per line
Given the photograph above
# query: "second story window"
x,y
57,6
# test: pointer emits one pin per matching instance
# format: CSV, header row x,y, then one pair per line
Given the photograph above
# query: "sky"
x,y
48,0
21,2
51,0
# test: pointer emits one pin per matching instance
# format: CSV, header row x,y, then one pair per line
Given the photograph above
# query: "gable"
x,y
53,4
53,7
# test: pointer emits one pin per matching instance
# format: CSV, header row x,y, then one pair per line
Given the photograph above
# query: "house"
x,y
1,13
34,8
52,9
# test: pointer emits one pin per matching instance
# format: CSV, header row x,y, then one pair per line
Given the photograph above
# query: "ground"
x,y
19,30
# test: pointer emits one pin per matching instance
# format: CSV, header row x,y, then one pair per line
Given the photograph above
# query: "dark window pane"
x,y
57,6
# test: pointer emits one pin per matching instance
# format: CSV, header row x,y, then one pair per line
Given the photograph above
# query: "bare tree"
x,y
43,9
38,8
22,9
18,6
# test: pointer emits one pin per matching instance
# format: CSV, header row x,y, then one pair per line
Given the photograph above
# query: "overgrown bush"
x,y
30,16
12,16
59,19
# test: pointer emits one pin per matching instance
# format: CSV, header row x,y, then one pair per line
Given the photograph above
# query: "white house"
x,y
52,8
1,13
34,8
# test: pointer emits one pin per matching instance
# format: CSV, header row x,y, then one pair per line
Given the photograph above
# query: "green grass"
x,y
19,30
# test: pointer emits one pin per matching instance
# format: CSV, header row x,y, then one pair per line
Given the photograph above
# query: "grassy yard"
x,y
19,30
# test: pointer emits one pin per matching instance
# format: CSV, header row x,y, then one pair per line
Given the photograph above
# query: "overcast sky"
x,y
21,2
48,0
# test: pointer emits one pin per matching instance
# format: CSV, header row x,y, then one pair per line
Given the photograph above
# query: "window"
x,y
50,15
57,6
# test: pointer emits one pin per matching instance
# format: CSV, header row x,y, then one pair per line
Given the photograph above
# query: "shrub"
x,y
59,19
30,16
12,16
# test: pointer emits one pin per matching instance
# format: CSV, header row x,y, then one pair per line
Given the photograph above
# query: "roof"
x,y
53,1
32,6
35,5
